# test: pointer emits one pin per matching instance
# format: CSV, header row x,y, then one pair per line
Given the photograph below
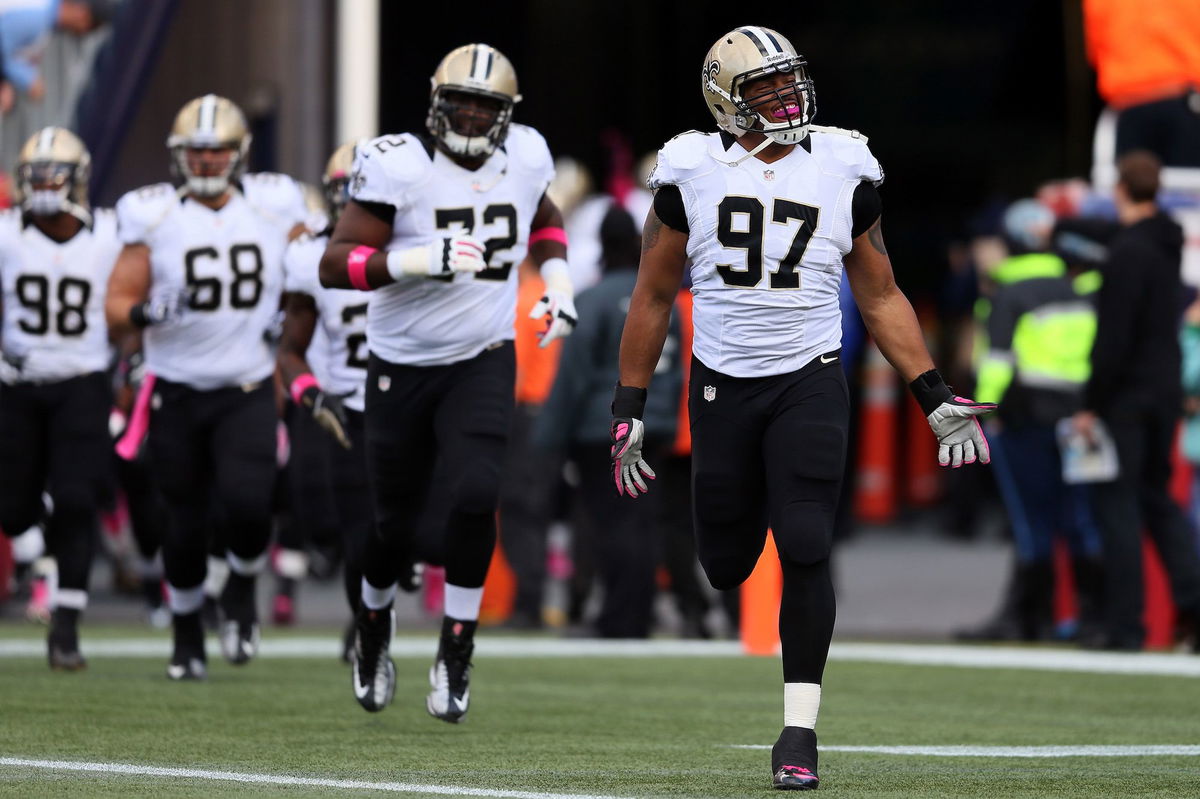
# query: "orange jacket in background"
x,y
535,366
1143,50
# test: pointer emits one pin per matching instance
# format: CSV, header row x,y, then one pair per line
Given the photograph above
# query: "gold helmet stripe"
x,y
45,145
481,68
761,39
208,114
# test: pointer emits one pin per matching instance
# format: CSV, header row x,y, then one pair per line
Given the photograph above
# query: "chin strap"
x,y
766,142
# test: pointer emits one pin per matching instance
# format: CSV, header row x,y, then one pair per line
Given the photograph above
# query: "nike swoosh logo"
x,y
830,359
461,703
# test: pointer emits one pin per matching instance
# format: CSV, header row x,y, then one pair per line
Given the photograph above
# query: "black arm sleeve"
x,y
668,206
381,211
865,209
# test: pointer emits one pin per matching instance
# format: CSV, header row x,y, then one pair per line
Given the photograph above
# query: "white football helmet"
x,y
745,54
472,69
209,123
52,175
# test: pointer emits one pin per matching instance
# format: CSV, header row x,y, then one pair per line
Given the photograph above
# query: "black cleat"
x,y
239,630
62,643
450,675
188,661
794,760
372,672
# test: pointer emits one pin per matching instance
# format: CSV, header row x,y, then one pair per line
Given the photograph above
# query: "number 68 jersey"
x,y
54,298
766,243
231,262
422,321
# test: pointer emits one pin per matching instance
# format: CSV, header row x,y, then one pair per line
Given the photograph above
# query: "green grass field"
x,y
601,726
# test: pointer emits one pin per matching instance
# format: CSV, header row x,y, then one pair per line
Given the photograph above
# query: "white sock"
x,y
801,701
74,598
377,598
463,603
182,601
215,576
246,568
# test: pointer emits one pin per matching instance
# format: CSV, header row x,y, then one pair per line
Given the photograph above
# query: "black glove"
x,y
328,411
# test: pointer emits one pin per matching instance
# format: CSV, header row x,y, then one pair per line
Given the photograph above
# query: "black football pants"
x,y
456,417
54,438
213,453
770,450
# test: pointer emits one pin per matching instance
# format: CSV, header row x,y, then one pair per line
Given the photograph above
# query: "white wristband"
x,y
406,263
557,275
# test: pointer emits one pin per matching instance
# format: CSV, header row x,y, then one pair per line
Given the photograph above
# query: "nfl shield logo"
x,y
768,174
385,382
710,393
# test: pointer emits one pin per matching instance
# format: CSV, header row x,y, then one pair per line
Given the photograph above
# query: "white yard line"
x,y
132,770
1030,658
1009,751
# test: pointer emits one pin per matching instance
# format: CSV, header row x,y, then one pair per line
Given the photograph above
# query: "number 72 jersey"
x,y
54,298
231,262
766,243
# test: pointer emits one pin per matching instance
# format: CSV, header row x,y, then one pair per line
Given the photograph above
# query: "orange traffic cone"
x,y
875,488
499,590
761,595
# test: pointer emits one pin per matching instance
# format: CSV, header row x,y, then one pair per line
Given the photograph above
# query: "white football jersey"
x,y
766,242
338,351
231,259
423,321
54,298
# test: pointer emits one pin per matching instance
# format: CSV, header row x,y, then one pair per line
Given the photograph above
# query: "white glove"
x,y
558,302
457,253
628,465
954,420
166,305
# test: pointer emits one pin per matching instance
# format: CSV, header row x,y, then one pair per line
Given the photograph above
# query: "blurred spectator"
x,y
1189,341
1040,330
526,493
25,27
1135,389
1147,61
576,418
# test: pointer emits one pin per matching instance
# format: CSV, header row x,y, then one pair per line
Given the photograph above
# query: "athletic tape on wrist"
x,y
548,234
302,384
356,267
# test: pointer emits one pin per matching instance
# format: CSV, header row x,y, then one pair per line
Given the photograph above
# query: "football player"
x,y
435,225
770,209
201,275
55,259
323,362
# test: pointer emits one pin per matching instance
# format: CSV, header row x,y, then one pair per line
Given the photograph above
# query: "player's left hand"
x,y
560,307
960,438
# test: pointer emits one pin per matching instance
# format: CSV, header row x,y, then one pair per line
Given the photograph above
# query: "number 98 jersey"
x,y
54,298
766,243
423,321
231,262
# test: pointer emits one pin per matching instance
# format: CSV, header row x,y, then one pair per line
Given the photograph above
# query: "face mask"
x,y
46,202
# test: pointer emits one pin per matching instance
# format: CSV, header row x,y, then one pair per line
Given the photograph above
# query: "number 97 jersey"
x,y
230,261
766,243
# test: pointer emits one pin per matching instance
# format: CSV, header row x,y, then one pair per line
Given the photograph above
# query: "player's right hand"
x,y
328,412
166,305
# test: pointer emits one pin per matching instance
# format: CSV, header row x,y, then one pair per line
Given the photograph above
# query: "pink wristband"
x,y
356,267
302,384
548,234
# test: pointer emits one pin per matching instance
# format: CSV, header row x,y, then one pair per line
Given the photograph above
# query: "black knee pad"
x,y
805,533
728,571
477,489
